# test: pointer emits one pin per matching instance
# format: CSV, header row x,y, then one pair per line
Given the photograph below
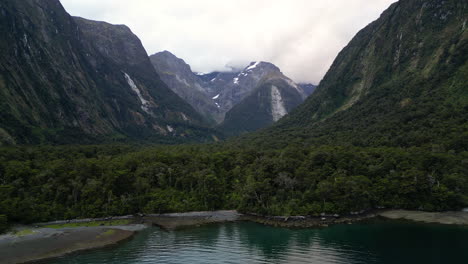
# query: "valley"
x,y
92,126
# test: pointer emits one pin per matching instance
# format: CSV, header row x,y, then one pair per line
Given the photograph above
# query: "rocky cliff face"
x,y
401,81
256,97
268,103
179,77
232,88
238,100
66,80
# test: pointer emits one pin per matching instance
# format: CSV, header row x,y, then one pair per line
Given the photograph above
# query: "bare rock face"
x,y
216,94
66,80
267,104
179,77
235,87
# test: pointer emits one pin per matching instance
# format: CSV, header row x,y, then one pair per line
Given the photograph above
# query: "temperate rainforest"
x,y
355,151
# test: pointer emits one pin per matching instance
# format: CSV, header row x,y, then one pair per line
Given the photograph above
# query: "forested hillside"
x,y
401,81
69,80
387,127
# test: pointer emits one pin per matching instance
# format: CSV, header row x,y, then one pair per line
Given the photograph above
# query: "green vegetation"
x,y
48,183
24,232
108,232
3,223
396,84
91,223
387,127
36,107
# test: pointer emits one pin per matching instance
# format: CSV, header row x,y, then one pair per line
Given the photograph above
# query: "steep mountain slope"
x,y
272,100
217,82
66,80
241,101
401,81
308,88
235,89
179,77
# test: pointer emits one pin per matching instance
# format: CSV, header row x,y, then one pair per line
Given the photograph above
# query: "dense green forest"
x,y
386,128
47,183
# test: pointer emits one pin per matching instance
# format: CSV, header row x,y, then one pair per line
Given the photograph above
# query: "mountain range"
x,y
401,81
237,101
65,79
387,127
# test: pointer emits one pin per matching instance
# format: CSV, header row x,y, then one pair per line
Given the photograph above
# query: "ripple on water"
x,y
253,243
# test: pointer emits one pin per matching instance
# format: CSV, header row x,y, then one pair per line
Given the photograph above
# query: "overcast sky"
x,y
302,37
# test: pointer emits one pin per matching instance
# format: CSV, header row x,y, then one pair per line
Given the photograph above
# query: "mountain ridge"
x,y
227,90
64,82
386,87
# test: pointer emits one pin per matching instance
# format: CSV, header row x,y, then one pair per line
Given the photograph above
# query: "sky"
x,y
301,37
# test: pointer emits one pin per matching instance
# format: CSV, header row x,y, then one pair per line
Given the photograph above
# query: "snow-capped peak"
x,y
251,67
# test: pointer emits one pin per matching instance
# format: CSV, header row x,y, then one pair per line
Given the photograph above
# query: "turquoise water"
x,y
377,242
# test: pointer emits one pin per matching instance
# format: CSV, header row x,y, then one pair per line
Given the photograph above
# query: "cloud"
x,y
302,37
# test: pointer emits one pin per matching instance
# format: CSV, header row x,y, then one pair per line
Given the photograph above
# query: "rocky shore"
x,y
447,218
307,221
40,244
180,220
54,239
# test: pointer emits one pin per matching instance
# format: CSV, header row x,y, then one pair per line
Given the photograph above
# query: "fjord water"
x,y
377,242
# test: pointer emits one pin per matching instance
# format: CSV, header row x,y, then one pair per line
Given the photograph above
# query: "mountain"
x,y
179,77
217,82
239,101
308,88
401,81
257,97
232,88
71,80
268,103
386,128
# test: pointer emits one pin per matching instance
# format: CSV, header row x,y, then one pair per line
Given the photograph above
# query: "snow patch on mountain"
x,y
277,104
251,67
144,103
216,97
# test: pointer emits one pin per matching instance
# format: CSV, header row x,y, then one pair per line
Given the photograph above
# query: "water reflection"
x,y
381,242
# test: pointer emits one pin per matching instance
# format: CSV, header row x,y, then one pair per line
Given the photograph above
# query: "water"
x,y
377,242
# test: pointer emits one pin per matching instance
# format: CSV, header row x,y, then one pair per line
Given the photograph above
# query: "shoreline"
x,y
45,243
308,221
444,218
49,243
175,221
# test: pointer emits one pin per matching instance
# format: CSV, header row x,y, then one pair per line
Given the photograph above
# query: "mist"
x,y
302,37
